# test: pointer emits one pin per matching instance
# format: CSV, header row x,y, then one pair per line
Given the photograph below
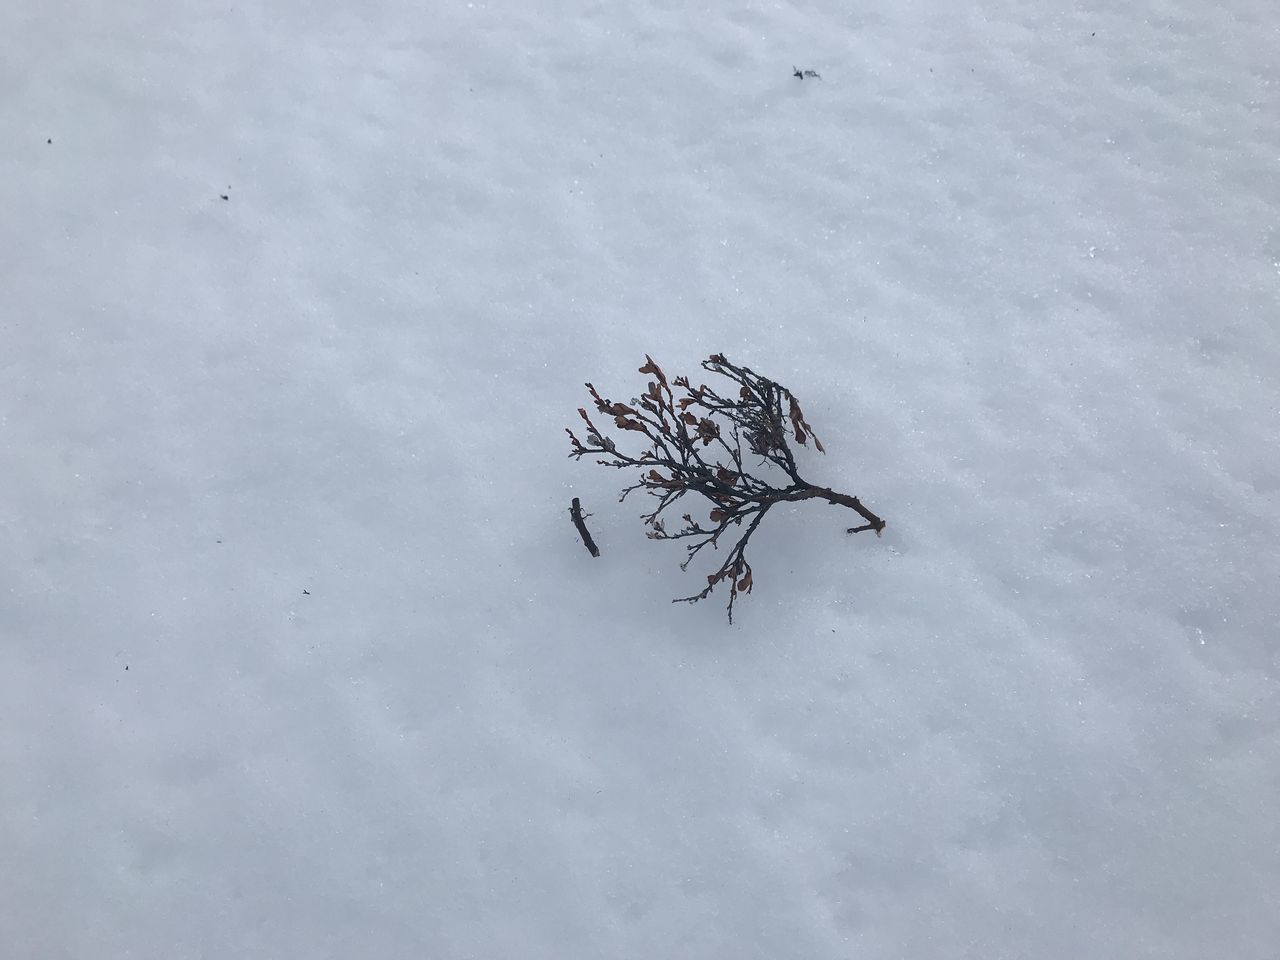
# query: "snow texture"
x,y
300,656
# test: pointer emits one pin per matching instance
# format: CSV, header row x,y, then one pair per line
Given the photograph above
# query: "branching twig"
x,y
694,443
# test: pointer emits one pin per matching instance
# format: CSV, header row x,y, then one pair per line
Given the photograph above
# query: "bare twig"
x,y
578,517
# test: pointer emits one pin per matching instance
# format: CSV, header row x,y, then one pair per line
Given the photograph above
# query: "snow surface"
x,y
1021,263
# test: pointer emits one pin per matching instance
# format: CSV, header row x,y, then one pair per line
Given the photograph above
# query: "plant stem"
x,y
810,492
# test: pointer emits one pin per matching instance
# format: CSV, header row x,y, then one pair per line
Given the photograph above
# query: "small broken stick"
x,y
576,514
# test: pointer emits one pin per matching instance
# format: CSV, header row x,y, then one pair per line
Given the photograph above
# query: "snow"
x,y
1019,262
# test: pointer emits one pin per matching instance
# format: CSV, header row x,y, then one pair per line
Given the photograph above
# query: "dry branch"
x,y
579,521
699,441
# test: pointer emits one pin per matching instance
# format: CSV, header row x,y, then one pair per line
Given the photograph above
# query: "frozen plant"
x,y
697,441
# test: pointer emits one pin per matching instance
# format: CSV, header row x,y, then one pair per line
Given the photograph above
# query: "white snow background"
x,y
1020,262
